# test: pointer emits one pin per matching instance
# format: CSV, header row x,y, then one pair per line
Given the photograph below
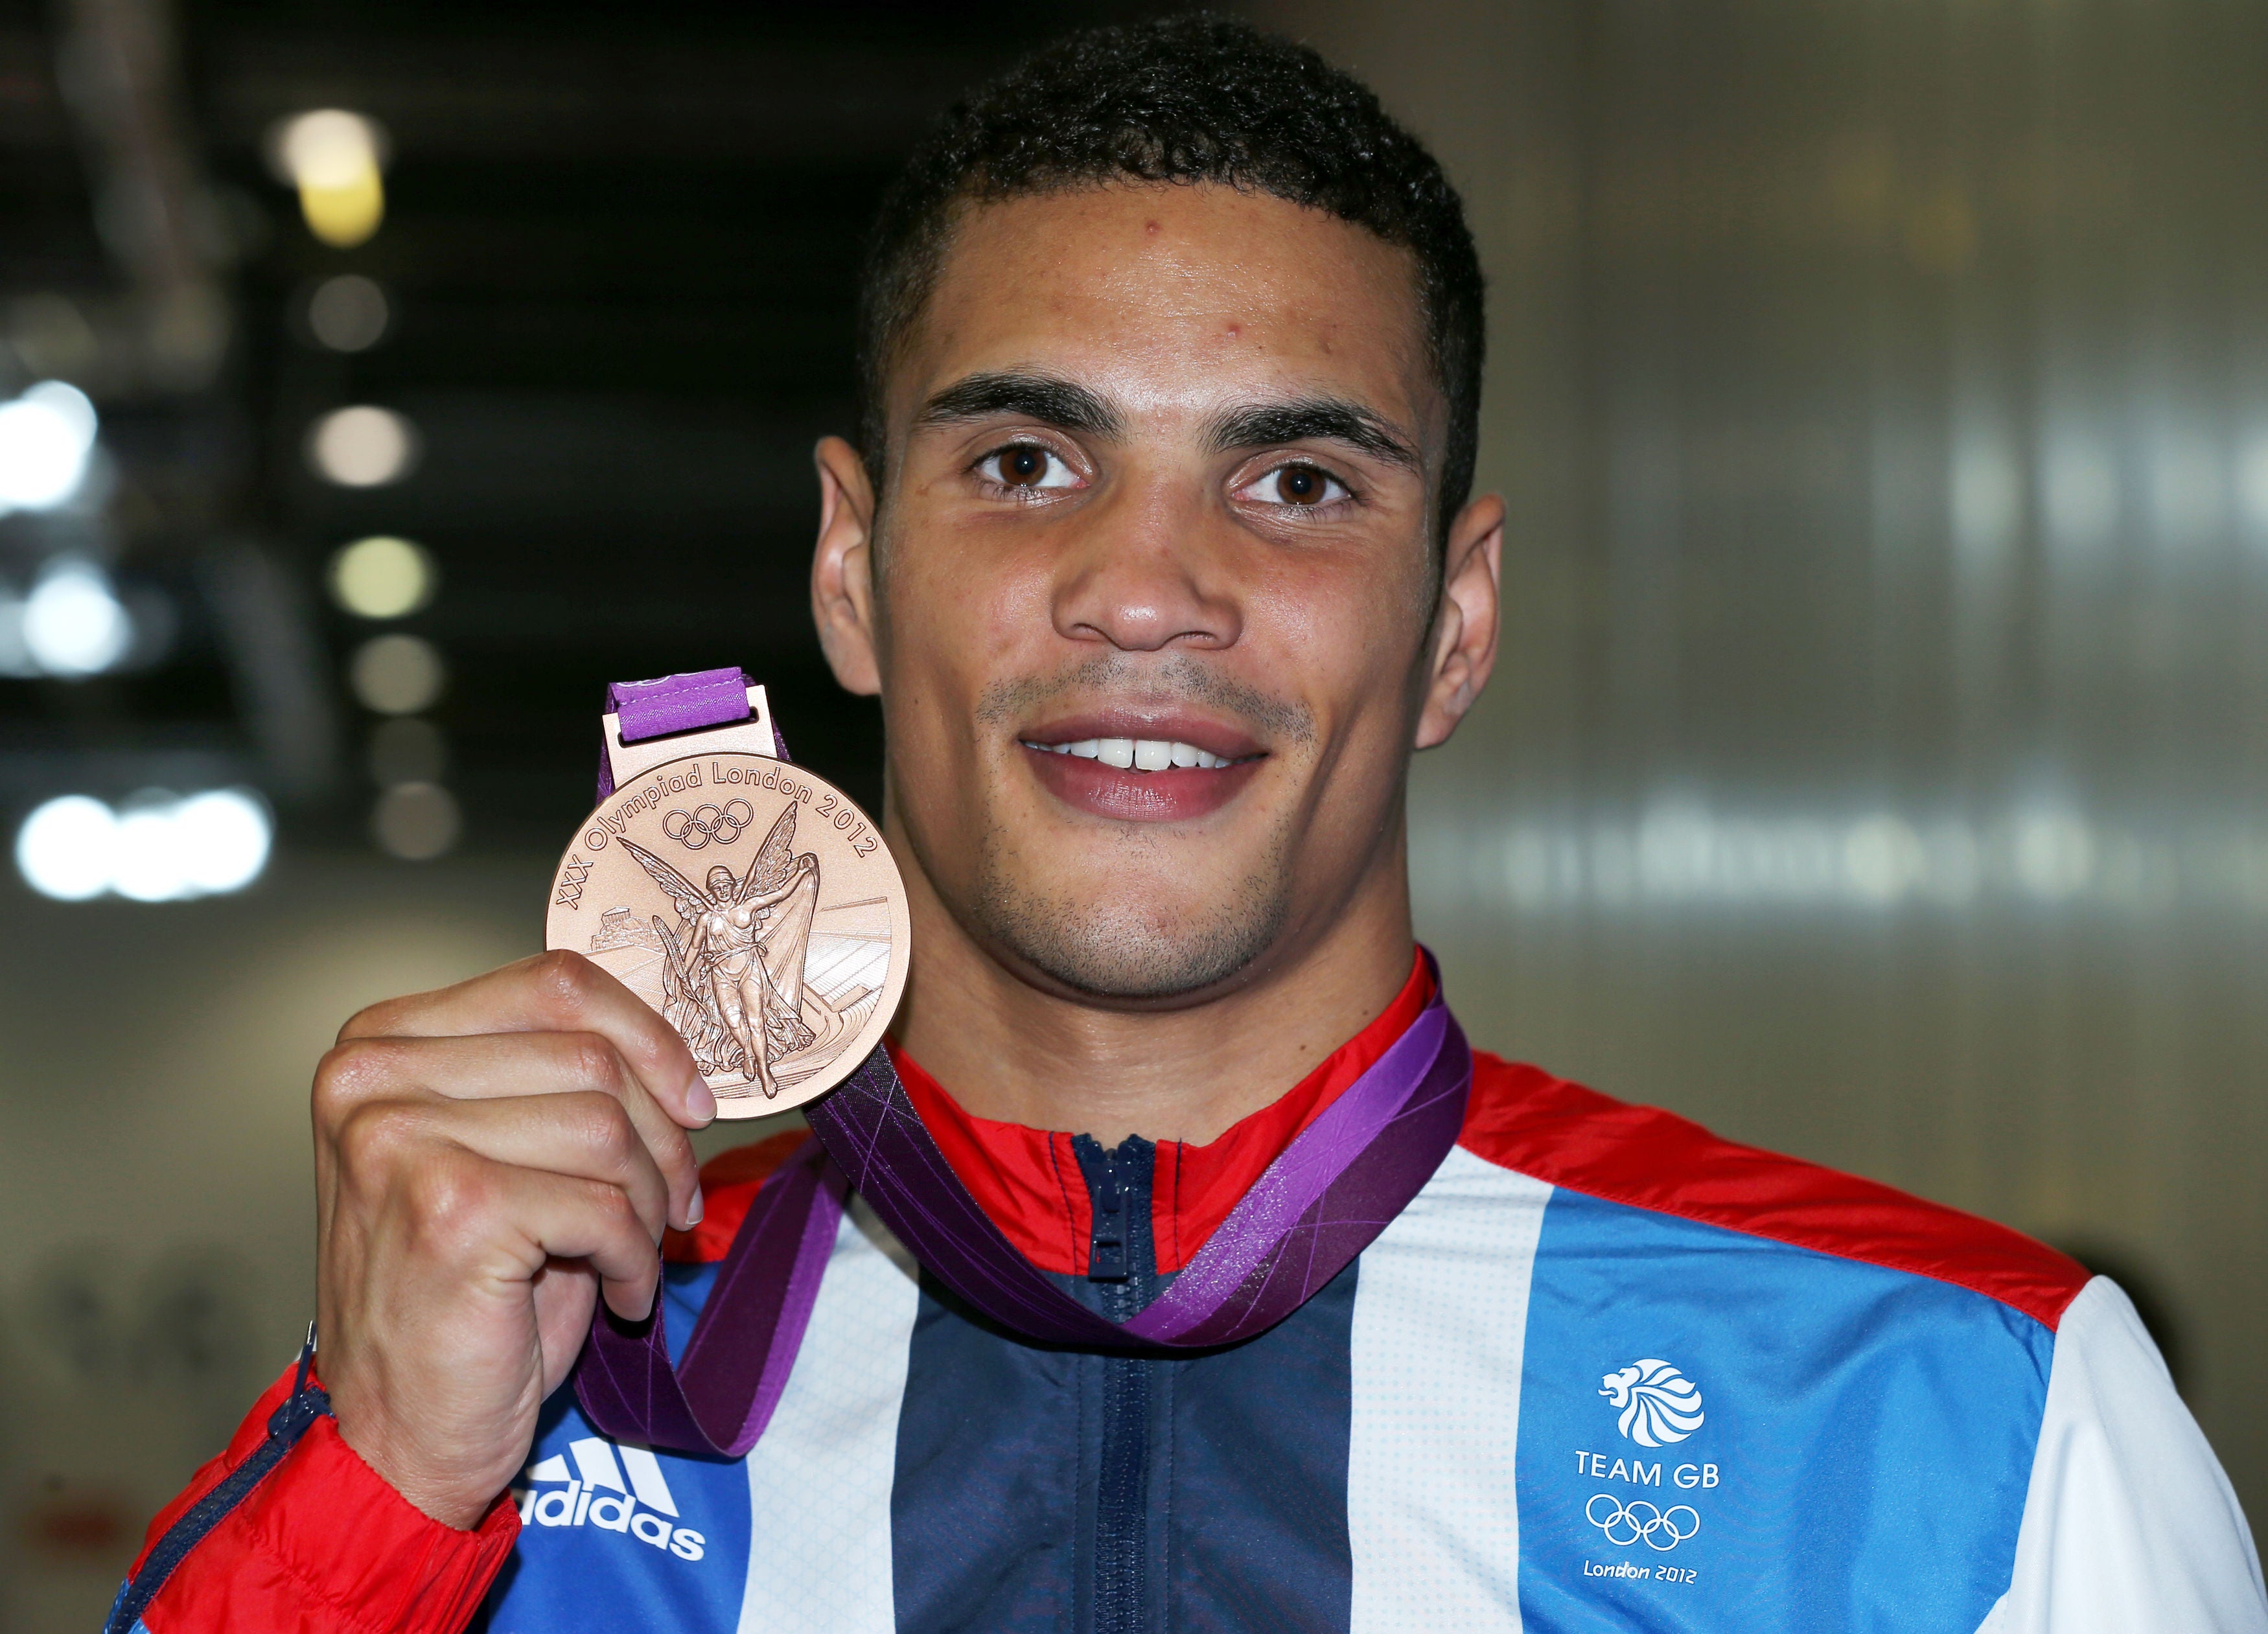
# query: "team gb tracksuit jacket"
x,y
1604,1372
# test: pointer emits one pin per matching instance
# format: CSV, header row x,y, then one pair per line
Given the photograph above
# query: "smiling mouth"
x,y
1140,753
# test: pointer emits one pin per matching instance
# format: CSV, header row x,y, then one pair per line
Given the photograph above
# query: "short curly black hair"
x,y
1188,98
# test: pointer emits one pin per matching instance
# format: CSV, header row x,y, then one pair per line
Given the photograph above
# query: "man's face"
x,y
1154,576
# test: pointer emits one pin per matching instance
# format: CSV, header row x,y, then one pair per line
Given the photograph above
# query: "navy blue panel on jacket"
x,y
1013,1509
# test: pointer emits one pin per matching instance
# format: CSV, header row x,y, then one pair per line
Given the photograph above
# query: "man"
x,y
1159,556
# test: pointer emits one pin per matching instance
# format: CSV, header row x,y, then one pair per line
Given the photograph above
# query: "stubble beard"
x,y
1117,949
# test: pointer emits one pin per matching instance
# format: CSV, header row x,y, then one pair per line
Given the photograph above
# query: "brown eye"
x,y
1026,469
1296,486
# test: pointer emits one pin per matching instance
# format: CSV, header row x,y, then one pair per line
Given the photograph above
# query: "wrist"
x,y
458,1499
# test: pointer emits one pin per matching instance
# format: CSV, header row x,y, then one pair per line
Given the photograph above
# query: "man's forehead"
x,y
1174,297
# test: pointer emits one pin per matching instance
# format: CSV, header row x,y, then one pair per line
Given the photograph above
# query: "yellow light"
x,y
382,578
345,215
334,159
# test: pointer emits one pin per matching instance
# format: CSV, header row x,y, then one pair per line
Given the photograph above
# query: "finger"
x,y
518,1067
565,1216
586,1135
555,992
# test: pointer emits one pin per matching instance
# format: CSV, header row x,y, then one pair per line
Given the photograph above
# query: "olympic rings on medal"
x,y
703,823
1623,1525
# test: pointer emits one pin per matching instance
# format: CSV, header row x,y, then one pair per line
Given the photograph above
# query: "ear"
x,y
1466,623
842,568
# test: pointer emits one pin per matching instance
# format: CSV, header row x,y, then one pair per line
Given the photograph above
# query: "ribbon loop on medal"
x,y
1324,1200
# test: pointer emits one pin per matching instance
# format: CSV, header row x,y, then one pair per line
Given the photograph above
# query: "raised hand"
x,y
491,1160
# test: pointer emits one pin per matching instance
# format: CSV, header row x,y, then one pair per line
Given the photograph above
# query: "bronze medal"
x,y
752,904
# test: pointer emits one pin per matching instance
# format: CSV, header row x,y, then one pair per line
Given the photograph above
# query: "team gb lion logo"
x,y
1660,1405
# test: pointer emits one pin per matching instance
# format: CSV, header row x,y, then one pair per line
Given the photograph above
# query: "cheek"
x,y
1356,631
967,599
957,622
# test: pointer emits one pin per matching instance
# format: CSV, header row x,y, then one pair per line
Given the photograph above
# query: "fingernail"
x,y
694,1208
700,1102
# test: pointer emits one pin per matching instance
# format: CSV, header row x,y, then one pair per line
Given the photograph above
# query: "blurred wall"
x,y
156,1190
1874,769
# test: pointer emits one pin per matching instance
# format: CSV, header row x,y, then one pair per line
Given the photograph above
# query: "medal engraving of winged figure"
x,y
732,965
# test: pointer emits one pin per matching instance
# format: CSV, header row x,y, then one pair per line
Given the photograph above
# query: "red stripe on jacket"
x,y
1522,1118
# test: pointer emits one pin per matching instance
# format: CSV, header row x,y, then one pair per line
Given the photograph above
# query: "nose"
x,y
1145,576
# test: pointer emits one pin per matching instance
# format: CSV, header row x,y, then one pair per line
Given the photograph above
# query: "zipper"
x,y
1122,1266
292,1418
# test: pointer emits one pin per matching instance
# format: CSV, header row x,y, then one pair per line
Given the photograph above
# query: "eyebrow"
x,y
1060,403
1326,419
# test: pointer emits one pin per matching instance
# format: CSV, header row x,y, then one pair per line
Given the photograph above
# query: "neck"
x,y
1012,1050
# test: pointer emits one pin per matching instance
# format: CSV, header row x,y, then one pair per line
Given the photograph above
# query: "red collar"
x,y
1028,1181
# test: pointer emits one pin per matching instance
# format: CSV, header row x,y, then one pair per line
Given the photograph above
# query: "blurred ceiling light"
x,y
45,437
227,835
397,675
63,848
406,749
416,821
382,577
148,861
156,849
363,446
349,314
73,622
336,159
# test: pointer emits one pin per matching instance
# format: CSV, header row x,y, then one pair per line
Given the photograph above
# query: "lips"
x,y
1142,770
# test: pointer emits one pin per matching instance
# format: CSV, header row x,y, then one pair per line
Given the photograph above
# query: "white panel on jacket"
x,y
2130,1527
1440,1327
820,1478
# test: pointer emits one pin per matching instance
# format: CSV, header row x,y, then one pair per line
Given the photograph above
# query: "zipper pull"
x,y
1109,1257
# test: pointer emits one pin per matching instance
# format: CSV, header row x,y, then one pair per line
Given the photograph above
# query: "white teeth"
x,y
1139,753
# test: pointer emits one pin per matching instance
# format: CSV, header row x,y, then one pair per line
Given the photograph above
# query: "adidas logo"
x,y
597,1495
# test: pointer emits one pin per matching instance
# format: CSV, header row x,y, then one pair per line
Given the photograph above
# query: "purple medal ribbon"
x,y
1319,1204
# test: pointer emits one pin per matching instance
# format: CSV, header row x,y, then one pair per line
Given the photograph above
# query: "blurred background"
x,y
1875,772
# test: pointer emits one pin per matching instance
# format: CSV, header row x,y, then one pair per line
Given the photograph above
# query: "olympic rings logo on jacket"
x,y
1624,1524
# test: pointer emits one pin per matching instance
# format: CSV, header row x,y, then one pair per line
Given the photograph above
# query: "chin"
x,y
1130,950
